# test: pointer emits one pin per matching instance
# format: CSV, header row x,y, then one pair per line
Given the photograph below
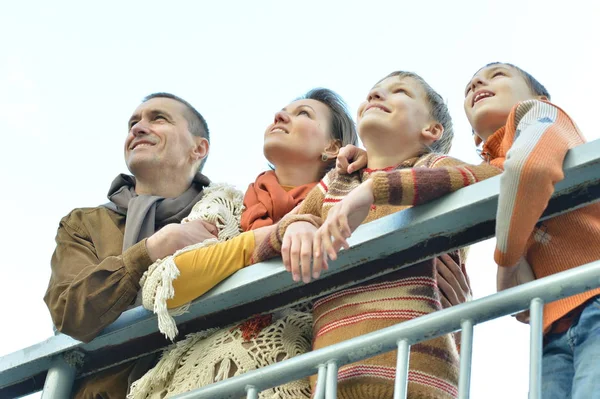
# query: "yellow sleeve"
x,y
202,269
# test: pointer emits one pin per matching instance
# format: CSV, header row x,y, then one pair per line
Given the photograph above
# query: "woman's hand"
x,y
342,220
350,159
297,249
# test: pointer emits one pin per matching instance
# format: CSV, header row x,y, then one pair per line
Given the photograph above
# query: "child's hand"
x,y
297,249
509,277
342,220
350,159
454,285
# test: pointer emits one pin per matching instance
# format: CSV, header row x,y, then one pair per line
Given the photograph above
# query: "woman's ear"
x,y
332,150
432,133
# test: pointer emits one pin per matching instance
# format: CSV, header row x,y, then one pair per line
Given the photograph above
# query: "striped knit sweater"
x,y
532,147
396,297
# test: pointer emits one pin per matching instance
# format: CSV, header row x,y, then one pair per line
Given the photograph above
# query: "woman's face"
x,y
395,112
300,133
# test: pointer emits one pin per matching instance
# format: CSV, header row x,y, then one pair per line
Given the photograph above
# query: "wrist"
x,y
154,244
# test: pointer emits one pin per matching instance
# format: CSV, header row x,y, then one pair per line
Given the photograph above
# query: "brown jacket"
x,y
92,283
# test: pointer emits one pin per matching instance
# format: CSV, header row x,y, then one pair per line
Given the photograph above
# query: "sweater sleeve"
x,y
310,211
439,176
533,165
203,268
86,294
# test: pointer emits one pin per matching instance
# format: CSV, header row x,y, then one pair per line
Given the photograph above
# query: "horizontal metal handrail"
x,y
462,218
548,289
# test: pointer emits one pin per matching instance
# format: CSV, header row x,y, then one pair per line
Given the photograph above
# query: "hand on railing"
x,y
350,159
297,251
343,218
508,277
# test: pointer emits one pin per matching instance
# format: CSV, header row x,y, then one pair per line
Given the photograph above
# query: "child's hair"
x,y
438,111
535,86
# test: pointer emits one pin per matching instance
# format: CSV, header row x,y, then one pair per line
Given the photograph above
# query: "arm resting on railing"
x,y
85,294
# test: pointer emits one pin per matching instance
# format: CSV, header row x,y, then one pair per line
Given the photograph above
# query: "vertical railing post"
x,y
251,392
536,315
466,355
401,382
320,388
331,384
59,380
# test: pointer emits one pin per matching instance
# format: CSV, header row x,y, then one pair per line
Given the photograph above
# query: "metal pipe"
x,y
466,354
320,388
401,382
59,380
536,316
252,393
331,383
560,285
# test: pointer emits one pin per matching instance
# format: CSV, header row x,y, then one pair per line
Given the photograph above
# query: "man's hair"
x,y
342,125
438,110
196,123
534,85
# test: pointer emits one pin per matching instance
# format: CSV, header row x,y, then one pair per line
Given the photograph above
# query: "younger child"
x,y
402,124
522,132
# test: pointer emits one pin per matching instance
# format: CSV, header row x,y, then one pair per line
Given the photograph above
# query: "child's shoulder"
x,y
334,178
538,110
435,159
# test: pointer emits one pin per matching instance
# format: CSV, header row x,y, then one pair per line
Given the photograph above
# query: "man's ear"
x,y
201,149
432,133
332,150
543,98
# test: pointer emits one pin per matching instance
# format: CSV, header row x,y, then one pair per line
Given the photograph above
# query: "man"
x,y
102,252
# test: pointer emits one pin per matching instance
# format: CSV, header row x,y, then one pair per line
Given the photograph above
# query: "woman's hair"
x,y
437,109
342,126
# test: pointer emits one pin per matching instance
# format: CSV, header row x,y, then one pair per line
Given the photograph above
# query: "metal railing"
x,y
462,218
327,360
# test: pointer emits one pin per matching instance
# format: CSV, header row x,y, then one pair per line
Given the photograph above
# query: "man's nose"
x,y
140,128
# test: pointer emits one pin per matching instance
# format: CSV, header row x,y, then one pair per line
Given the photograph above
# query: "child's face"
x,y
490,96
396,110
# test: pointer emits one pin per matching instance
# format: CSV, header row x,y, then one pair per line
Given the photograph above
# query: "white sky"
x,y
72,73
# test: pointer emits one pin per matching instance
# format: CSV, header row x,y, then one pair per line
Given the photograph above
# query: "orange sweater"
x,y
531,148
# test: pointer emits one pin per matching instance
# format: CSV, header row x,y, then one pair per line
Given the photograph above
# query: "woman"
x,y
403,123
301,144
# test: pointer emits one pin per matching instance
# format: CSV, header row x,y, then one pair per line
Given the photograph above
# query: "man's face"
x,y
490,96
159,138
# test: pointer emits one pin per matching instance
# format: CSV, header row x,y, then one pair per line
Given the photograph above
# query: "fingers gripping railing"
x,y
459,219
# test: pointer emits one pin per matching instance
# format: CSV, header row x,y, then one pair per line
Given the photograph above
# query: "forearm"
x,y
203,268
84,297
533,166
420,185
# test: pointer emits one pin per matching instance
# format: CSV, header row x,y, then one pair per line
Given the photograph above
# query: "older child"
x,y
402,124
529,137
